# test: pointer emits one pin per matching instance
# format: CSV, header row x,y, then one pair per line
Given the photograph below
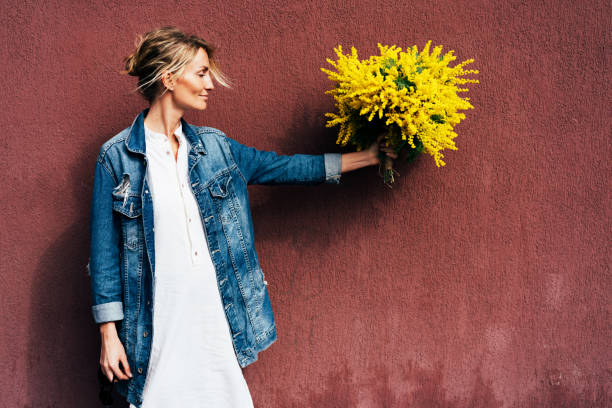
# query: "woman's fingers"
x,y
381,146
126,366
390,152
117,371
113,360
108,373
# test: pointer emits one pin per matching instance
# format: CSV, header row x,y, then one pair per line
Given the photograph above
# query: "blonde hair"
x,y
166,49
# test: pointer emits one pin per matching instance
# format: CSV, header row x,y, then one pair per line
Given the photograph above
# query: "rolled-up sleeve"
x,y
333,167
108,312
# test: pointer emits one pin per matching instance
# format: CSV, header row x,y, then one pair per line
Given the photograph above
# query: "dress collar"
x,y
152,135
135,140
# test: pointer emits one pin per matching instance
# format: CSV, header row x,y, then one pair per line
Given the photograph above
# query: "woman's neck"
x,y
163,117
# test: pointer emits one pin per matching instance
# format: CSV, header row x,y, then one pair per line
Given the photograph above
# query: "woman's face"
x,y
192,88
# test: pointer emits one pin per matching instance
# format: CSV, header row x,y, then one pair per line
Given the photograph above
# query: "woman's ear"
x,y
168,80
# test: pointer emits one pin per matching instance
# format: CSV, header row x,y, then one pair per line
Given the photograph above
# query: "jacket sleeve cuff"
x,y
333,167
108,312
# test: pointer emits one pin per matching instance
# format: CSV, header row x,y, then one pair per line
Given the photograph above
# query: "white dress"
x,y
193,362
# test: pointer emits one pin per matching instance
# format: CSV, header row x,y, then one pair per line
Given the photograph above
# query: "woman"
x,y
172,245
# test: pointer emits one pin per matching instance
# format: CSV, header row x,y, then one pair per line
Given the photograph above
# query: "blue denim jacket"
x,y
122,256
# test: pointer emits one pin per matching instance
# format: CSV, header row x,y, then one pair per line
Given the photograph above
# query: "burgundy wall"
x,y
485,283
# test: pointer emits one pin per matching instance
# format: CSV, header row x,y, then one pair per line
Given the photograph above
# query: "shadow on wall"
x,y
297,213
63,342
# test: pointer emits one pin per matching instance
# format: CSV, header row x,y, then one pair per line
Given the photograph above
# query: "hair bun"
x,y
131,65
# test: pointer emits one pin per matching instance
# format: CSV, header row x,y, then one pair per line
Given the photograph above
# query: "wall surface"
x,y
484,283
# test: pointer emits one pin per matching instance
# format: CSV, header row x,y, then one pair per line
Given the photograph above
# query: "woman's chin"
x,y
201,106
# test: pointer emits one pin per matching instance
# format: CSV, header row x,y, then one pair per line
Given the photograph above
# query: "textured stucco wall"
x,y
485,283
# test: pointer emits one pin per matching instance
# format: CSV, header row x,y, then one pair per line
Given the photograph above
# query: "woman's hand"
x,y
373,150
112,353
363,158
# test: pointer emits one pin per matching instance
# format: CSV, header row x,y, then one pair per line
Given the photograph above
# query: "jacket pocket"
x,y
129,209
219,186
130,206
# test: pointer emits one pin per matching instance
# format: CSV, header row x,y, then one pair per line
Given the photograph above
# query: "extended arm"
x,y
268,167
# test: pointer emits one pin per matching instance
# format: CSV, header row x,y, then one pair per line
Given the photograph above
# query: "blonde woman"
x,y
178,290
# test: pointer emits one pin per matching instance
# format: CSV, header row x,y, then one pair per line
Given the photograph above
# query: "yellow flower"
x,y
415,94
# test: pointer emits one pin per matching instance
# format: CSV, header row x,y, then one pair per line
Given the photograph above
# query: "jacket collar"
x,y
135,141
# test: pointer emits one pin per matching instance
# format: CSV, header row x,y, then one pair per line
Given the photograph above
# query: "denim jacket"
x,y
122,256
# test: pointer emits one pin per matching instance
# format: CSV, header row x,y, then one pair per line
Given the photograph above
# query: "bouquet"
x,y
411,97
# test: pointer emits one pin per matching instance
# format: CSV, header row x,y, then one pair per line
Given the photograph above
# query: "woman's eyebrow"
x,y
204,67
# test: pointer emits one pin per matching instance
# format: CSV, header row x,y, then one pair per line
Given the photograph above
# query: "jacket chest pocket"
x,y
129,210
219,187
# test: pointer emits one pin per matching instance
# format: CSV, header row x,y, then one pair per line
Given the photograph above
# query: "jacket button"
x,y
139,370
145,334
148,302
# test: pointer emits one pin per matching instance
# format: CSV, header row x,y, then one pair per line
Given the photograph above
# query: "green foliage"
x,y
437,118
403,82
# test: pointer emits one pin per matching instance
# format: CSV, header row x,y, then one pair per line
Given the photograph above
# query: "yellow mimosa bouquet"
x,y
411,97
